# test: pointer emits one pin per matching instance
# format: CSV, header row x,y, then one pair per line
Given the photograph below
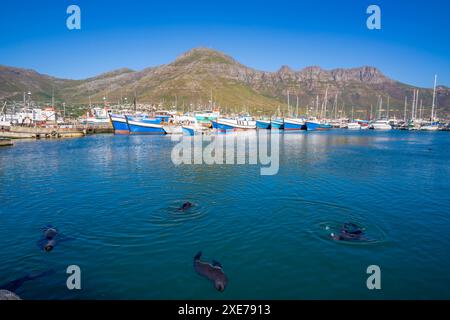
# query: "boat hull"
x,y
312,125
120,124
354,126
277,124
232,125
145,127
325,127
262,124
381,127
190,131
294,125
430,128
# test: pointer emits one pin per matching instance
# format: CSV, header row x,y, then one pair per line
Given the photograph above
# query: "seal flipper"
x,y
216,263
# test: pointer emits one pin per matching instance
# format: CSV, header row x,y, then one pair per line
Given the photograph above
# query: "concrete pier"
x,y
5,142
24,132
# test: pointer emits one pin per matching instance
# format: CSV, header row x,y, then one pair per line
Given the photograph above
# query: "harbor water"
x,y
117,199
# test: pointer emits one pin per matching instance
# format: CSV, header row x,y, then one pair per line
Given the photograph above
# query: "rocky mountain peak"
x,y
204,55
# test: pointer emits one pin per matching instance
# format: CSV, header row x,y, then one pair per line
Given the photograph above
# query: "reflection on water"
x,y
118,197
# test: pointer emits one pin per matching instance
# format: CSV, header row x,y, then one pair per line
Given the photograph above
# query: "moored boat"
x,y
325,126
312,125
263,124
277,124
224,124
120,123
188,130
145,125
294,124
353,126
431,127
381,125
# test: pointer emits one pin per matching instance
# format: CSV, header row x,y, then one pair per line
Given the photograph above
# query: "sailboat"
x,y
353,125
381,124
294,123
433,126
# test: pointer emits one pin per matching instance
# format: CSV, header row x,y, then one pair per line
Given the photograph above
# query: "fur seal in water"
x,y
349,232
51,237
213,272
185,206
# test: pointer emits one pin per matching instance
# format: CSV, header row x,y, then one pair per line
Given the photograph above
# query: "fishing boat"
x,y
381,125
189,130
145,125
120,124
325,126
312,124
206,117
96,116
263,124
353,126
294,124
277,124
431,127
225,124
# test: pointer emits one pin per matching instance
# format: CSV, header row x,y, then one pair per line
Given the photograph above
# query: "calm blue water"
x,y
117,197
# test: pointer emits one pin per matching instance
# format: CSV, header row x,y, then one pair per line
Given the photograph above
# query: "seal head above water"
x,y
187,205
349,232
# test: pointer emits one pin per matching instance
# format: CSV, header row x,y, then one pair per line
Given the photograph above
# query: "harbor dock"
x,y
4,142
24,132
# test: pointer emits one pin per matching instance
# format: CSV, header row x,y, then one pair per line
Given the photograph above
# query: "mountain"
x,y
199,73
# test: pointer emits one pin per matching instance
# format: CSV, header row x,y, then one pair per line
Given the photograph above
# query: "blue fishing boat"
x,y
223,124
188,130
312,125
119,123
294,124
263,124
325,126
277,124
145,125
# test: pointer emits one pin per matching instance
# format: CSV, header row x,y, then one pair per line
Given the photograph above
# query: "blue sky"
x,y
413,44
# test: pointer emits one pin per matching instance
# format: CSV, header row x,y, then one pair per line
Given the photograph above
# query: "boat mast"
x,y
134,102
387,113
335,106
434,99
289,108
406,103
53,96
379,107
317,105
297,109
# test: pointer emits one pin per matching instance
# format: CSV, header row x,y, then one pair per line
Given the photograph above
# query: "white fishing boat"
x,y
353,126
242,123
381,125
431,127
